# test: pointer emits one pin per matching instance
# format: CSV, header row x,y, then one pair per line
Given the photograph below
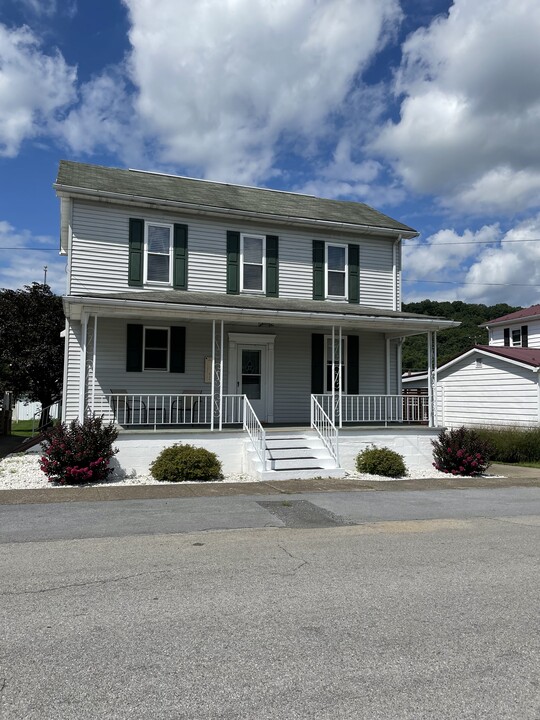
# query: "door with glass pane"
x,y
251,377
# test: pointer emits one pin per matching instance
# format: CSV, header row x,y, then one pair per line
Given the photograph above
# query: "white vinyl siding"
x,y
493,393
73,350
497,333
100,253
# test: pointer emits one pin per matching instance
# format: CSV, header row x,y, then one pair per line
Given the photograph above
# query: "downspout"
x,y
82,369
213,386
396,296
94,357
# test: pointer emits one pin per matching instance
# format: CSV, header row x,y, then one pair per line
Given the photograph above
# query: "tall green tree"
x,y
454,341
31,349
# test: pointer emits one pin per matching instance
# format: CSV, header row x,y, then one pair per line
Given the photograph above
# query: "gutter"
x,y
196,209
253,312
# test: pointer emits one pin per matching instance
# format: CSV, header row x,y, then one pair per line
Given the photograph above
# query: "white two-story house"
x,y
196,307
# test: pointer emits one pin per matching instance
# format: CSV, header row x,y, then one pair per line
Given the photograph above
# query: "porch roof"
x,y
252,308
193,195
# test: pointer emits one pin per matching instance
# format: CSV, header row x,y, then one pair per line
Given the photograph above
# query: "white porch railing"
x,y
255,431
325,428
376,408
136,410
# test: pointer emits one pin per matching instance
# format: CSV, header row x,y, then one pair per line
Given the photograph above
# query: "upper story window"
x,y
516,337
336,271
158,252
253,259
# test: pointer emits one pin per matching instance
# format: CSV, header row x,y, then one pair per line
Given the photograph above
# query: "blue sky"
x,y
428,110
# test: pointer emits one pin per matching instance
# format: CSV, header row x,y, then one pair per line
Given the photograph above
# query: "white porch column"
x,y
340,380
213,386
429,378
333,418
435,391
221,376
217,376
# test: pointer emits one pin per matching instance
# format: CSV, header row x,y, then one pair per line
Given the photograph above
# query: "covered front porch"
x,y
150,364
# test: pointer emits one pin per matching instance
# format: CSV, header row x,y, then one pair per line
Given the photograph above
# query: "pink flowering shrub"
x,y
461,452
79,453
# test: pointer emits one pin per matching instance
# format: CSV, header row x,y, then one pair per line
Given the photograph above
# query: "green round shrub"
x,y
381,461
186,462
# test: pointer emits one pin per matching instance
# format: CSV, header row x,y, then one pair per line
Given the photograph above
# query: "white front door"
x,y
251,377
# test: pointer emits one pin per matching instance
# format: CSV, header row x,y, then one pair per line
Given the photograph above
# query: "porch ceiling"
x,y
173,304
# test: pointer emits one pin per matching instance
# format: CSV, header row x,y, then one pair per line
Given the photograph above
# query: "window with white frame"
x,y
252,258
330,366
516,338
336,271
156,348
158,251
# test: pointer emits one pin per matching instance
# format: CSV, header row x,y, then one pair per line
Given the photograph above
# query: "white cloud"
x,y
104,119
221,81
470,117
34,87
486,266
513,270
24,266
446,253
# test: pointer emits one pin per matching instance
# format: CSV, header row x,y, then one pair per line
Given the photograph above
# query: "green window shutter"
x,y
353,365
318,270
177,360
233,262
134,351
317,364
524,336
136,252
272,266
354,274
507,336
180,257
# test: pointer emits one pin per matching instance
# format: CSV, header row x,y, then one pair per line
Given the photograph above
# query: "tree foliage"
x,y
31,349
454,341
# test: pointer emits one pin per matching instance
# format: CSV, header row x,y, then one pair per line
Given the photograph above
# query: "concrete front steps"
x,y
292,455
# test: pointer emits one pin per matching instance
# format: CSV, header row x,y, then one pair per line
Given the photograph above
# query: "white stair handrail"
x,y
255,431
325,428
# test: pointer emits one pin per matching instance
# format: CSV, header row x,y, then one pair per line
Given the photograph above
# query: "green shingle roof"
x,y
73,176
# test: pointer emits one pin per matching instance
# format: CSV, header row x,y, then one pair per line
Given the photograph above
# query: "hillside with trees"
x,y
454,341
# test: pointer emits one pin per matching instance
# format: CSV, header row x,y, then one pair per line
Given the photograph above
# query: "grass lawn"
x,y
527,464
23,428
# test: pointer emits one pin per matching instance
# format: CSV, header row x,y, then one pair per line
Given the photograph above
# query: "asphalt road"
x,y
348,605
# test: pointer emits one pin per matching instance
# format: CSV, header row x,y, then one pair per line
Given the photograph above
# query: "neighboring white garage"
x,y
487,385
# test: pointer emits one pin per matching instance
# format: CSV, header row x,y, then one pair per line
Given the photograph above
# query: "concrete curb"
x,y
526,477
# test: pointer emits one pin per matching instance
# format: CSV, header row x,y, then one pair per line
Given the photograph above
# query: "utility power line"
x,y
467,242
458,282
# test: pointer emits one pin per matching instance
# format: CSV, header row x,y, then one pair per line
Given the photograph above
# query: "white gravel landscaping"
x,y
22,472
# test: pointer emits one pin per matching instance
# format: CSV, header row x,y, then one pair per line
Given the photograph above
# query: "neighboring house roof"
x,y
265,306
527,356
139,186
531,312
414,376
